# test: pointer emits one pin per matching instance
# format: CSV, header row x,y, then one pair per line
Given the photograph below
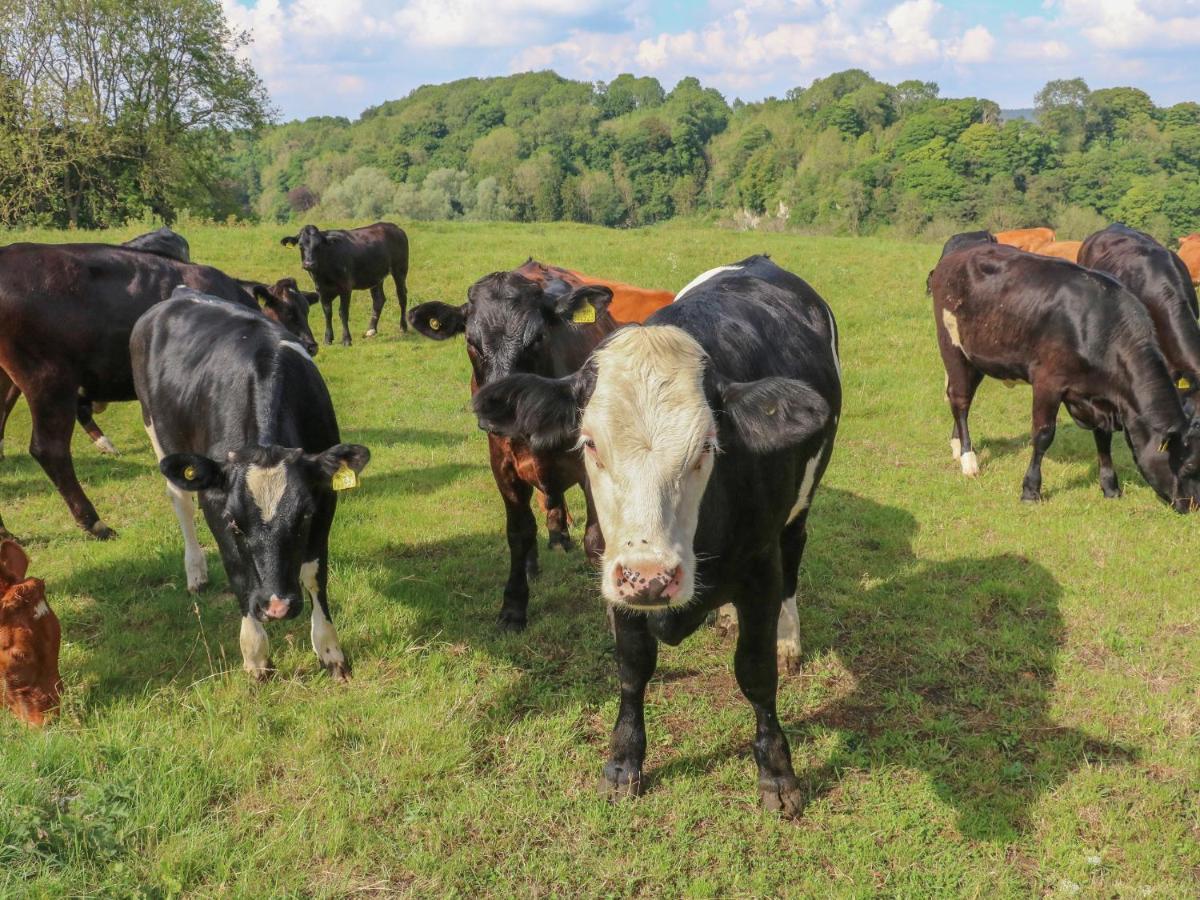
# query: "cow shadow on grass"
x,y
375,438
952,670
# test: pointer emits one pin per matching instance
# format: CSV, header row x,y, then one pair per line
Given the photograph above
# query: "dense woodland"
x,y
148,111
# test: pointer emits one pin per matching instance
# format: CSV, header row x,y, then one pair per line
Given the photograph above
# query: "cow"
x,y
1189,252
705,433
30,636
237,412
966,238
342,261
513,324
163,242
1081,340
1026,238
68,310
1068,250
1160,280
630,303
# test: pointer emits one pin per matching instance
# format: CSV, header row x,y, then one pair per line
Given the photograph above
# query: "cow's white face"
x,y
649,438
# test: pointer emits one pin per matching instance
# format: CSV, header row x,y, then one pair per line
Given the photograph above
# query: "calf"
x,y
238,413
1081,340
1026,238
359,258
68,310
513,324
29,640
1159,279
705,433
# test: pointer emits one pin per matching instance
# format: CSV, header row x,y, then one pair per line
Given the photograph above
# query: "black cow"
x,y
68,310
1081,340
744,362
513,324
341,261
238,412
967,239
163,242
1158,278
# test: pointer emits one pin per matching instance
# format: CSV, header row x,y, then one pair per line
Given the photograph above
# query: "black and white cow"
x,y
239,414
705,433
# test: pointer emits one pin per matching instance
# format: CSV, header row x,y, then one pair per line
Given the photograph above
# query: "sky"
x,y
337,57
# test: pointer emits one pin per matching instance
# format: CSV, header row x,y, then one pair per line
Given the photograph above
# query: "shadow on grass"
x,y
375,438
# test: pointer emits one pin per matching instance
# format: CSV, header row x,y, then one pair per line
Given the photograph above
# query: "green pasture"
x,y
997,699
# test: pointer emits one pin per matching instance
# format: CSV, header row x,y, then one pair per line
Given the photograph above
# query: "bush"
x,y
366,194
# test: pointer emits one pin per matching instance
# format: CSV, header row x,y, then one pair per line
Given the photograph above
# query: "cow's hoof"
x,y
346,342
1028,496
620,781
102,532
781,795
339,672
370,332
512,620
105,446
787,656
263,675
329,340
1111,491
197,586
970,464
561,540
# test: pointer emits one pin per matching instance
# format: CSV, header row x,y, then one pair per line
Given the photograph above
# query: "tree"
x,y
1060,110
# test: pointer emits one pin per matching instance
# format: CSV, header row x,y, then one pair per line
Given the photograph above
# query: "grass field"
x,y
997,699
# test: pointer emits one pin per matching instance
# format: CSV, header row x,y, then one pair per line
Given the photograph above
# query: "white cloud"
x,y
1133,24
975,46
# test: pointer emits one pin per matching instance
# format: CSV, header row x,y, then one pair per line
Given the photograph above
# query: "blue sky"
x,y
336,57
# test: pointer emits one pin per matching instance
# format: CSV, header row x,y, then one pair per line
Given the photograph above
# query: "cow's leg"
x,y
521,529
327,309
344,314
84,412
314,578
791,549
593,538
256,648
557,522
195,567
1108,474
637,657
9,394
400,278
53,409
1045,413
377,301
962,380
758,605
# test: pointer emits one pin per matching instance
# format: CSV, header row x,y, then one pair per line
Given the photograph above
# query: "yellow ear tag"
x,y
435,324
1162,448
585,315
1183,384
345,478
190,473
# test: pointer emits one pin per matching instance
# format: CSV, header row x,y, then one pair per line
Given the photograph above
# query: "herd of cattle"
x,y
698,439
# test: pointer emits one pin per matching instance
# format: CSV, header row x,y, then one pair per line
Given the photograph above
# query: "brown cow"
x,y
1068,250
1026,238
629,303
1189,252
29,640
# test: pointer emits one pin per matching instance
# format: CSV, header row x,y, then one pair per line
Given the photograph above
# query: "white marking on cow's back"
x,y
804,497
700,279
951,324
292,345
40,610
837,363
266,487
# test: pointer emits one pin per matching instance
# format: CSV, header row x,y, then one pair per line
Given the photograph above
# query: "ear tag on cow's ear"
x,y
1183,384
585,315
189,473
345,478
435,324
1162,448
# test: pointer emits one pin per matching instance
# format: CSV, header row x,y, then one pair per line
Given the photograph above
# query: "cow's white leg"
x,y
194,565
256,651
787,639
105,446
970,464
955,449
324,635
727,619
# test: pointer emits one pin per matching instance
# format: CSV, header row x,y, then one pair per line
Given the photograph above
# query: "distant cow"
x,y
1189,252
164,242
706,432
1026,238
29,640
1160,280
342,261
1081,340
1068,250
630,303
68,310
966,239
238,412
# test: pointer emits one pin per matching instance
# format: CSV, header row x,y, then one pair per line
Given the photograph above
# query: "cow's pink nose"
x,y
647,584
277,608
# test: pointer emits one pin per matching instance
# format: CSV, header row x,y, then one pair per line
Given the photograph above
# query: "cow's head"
x,y
285,303
651,416
29,640
270,496
310,240
508,321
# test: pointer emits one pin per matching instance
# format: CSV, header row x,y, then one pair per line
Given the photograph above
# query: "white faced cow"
x,y
239,414
705,433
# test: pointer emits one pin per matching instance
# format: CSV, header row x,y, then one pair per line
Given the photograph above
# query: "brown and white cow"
x,y
29,640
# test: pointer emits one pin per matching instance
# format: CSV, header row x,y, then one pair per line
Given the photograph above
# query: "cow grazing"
x,y
342,261
630,303
163,242
29,640
1189,252
1026,238
1081,340
966,239
513,324
1159,279
1068,250
705,434
238,413
68,310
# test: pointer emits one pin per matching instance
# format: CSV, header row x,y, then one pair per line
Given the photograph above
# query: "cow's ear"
x,y
329,463
13,562
543,411
439,320
312,297
574,305
263,293
290,241
192,472
772,413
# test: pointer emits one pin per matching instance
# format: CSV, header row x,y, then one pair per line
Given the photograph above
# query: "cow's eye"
x,y
590,446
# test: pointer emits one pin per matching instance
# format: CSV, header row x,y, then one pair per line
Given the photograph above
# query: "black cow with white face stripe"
x,y
239,414
705,433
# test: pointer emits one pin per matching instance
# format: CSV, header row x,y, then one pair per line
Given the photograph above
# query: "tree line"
x,y
112,109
